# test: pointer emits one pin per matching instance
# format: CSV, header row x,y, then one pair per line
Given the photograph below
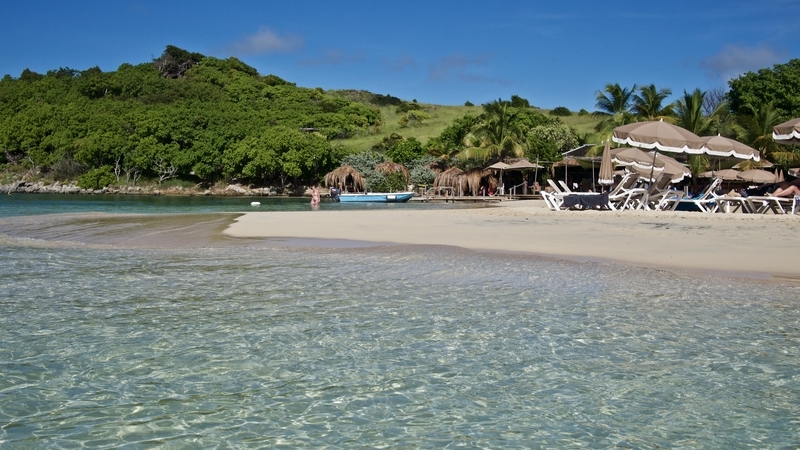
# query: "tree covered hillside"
x,y
183,115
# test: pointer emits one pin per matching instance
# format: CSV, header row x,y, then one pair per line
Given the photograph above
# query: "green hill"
x,y
203,120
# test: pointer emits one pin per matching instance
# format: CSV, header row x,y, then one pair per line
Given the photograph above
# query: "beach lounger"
x,y
767,203
620,197
553,201
706,201
658,196
732,204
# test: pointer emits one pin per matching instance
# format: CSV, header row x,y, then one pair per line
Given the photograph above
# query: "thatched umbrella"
x,y
474,177
391,167
449,178
343,176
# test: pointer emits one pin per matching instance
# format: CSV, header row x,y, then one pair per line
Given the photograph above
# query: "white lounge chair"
x,y
766,203
620,196
659,191
706,201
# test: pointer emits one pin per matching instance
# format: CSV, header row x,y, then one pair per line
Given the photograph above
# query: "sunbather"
x,y
782,189
787,189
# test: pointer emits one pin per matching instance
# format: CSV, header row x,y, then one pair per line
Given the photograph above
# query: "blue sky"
x,y
554,53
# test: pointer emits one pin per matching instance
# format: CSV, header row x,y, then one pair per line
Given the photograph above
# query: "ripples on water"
x,y
386,347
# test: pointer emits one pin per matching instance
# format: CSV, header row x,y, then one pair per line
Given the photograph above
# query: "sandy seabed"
x,y
752,246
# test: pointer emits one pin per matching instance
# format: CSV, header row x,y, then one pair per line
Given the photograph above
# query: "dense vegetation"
x,y
183,115
747,112
206,120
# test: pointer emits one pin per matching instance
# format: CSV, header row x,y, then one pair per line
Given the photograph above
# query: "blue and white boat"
x,y
382,197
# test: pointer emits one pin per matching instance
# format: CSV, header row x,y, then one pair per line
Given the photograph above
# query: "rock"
x,y
237,189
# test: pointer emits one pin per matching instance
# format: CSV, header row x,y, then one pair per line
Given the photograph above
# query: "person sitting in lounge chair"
x,y
787,189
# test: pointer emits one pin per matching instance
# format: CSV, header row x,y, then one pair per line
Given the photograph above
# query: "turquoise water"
x,y
34,204
257,346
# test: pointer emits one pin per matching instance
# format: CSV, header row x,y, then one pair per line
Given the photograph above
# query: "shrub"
x,y
583,112
387,182
406,107
560,111
97,178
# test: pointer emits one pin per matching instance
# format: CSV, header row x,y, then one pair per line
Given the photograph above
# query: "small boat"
x,y
381,197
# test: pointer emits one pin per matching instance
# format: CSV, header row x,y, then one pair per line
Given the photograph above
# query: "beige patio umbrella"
x,y
722,147
659,136
787,133
341,175
757,176
780,177
632,156
725,174
523,164
672,166
501,166
606,175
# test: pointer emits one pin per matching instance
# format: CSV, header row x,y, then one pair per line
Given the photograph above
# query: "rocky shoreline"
x,y
25,187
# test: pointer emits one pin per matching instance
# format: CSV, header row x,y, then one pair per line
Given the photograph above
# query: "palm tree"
x,y
496,136
649,105
756,126
689,113
615,107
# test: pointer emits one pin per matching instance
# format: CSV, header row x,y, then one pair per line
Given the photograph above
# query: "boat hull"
x,y
380,197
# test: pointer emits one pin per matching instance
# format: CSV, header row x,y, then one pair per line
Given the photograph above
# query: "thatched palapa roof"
x,y
462,182
448,178
341,175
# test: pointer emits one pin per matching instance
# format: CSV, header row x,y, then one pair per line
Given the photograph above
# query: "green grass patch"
x,y
440,118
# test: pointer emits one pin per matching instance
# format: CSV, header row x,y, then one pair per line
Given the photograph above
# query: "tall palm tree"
x,y
756,126
649,103
689,113
496,136
614,106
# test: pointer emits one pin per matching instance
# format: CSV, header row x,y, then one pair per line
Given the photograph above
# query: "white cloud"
x,y
265,41
733,61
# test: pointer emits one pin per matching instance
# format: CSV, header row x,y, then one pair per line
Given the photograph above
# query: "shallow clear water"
x,y
34,204
253,346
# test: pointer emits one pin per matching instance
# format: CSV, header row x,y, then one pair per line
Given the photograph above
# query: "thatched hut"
x,y
391,167
346,177
449,178
476,177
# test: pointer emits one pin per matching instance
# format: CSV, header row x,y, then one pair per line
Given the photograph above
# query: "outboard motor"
x,y
334,194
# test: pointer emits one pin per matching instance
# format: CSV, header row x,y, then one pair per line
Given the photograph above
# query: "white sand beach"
x,y
754,246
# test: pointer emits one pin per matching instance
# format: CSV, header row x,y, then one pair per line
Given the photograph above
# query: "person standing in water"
x,y
314,196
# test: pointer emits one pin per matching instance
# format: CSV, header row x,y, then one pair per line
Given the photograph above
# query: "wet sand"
x,y
741,245
752,246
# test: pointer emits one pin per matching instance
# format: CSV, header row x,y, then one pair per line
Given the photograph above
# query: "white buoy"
x,y
255,203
